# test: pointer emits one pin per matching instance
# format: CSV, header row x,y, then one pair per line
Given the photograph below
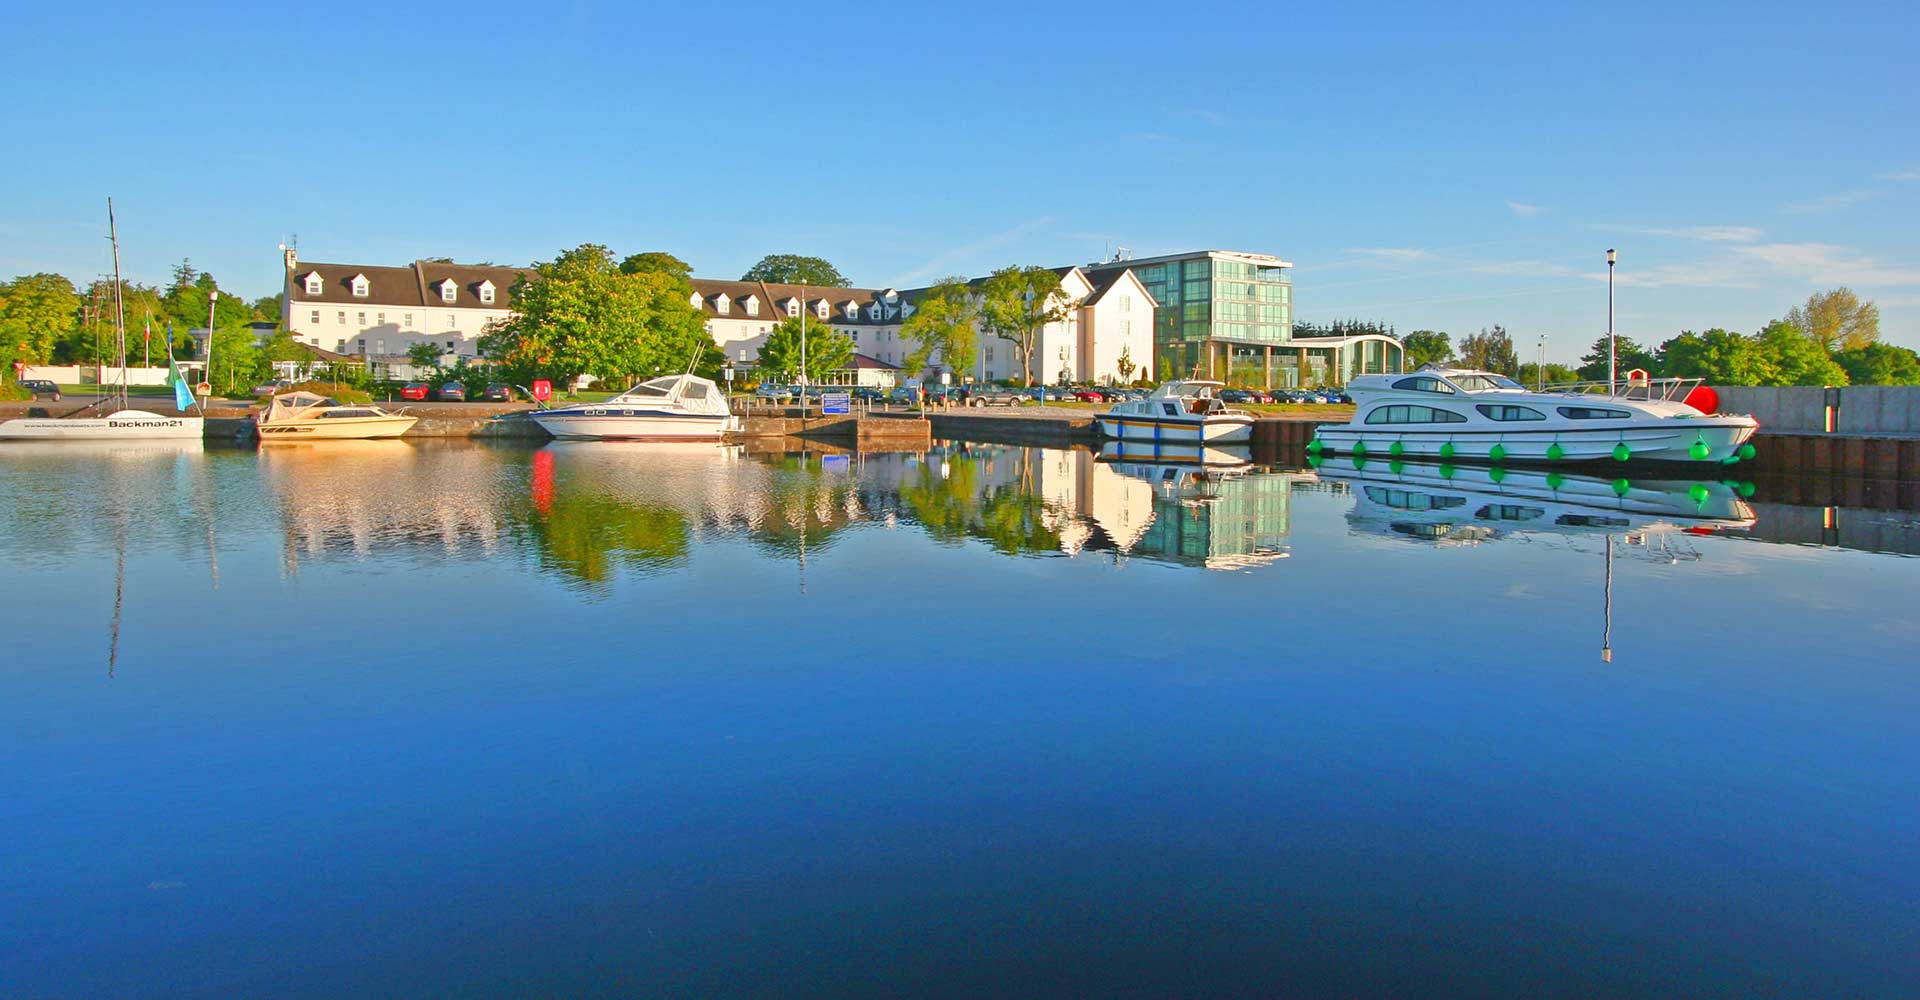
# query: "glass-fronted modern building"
x,y
1228,315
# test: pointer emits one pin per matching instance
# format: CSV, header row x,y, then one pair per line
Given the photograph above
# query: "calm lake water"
x,y
614,720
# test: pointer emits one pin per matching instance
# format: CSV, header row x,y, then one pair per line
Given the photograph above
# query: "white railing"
x,y
1661,389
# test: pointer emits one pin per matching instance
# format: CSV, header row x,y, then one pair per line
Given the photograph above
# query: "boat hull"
x,y
1666,441
1226,429
128,425
615,425
347,429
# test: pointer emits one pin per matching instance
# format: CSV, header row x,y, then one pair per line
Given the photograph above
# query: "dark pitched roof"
x,y
865,361
413,285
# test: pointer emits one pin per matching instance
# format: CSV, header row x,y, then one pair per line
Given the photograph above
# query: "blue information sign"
x,y
836,403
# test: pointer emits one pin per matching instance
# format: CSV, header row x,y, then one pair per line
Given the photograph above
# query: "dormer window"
x,y
873,311
820,309
753,305
360,286
906,309
315,284
722,304
793,307
486,293
853,311
891,296
448,289
694,300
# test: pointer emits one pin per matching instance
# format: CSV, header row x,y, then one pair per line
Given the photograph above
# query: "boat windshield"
x,y
658,387
1482,382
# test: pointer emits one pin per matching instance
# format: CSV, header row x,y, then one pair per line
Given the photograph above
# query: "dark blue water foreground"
x,y
385,720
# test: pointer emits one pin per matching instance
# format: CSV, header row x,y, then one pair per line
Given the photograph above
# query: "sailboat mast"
x,y
119,306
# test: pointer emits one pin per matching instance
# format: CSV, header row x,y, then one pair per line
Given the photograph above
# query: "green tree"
x,y
1880,364
1630,355
37,313
828,350
580,314
239,363
658,262
1425,347
1490,350
1017,303
1124,364
184,275
1795,358
1837,320
426,355
794,269
946,320
1530,374
1719,356
267,308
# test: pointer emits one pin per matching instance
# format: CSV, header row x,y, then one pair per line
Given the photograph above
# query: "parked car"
x,y
1089,395
1233,396
274,387
993,395
452,392
1338,396
497,392
41,388
868,393
414,390
772,390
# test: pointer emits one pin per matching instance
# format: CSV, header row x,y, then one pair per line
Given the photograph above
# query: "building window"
x,y
989,354
407,320
360,318
447,290
1126,328
314,284
341,317
486,293
1126,303
453,321
341,347
753,306
316,317
359,288
363,343
449,345
793,307
380,318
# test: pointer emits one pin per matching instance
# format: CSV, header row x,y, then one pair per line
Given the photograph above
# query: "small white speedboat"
x,y
1181,412
307,416
672,407
1458,414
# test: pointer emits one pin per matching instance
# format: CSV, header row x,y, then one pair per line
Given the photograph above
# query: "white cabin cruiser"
x,y
307,416
1181,412
672,407
1459,414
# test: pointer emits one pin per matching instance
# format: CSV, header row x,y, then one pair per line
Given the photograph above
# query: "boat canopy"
x,y
290,405
689,392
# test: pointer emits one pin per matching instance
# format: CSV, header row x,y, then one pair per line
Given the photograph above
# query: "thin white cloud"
x,y
1393,253
1830,202
1151,137
1901,175
1826,264
1761,265
944,262
1710,234
1524,210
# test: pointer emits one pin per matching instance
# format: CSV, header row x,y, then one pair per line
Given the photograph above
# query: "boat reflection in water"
x,y
1450,505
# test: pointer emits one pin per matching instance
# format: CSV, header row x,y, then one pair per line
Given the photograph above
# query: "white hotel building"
x,y
376,313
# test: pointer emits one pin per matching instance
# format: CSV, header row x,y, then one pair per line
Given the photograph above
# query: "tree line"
x,y
1832,339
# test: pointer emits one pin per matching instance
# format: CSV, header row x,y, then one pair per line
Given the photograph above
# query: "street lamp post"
x,y
803,347
1612,362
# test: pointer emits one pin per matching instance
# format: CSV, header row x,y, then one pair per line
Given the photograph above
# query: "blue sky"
x,y
1430,165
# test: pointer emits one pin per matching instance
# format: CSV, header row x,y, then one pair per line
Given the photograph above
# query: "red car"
x,y
1089,395
414,390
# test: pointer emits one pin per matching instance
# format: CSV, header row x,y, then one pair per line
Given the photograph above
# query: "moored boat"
x,y
1182,412
137,425
672,407
1458,414
307,416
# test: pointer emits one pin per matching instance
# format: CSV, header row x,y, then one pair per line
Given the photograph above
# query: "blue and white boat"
x,y
1181,412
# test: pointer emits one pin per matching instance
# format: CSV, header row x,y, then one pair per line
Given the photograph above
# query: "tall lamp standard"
x,y
803,339
1613,374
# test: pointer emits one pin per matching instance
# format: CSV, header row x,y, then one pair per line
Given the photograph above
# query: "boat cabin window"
x,y
1411,500
1592,413
657,387
334,414
1509,512
695,391
1423,383
1484,382
1398,414
1169,408
1492,412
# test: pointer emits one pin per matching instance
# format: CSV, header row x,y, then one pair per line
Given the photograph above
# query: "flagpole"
x,y
146,347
